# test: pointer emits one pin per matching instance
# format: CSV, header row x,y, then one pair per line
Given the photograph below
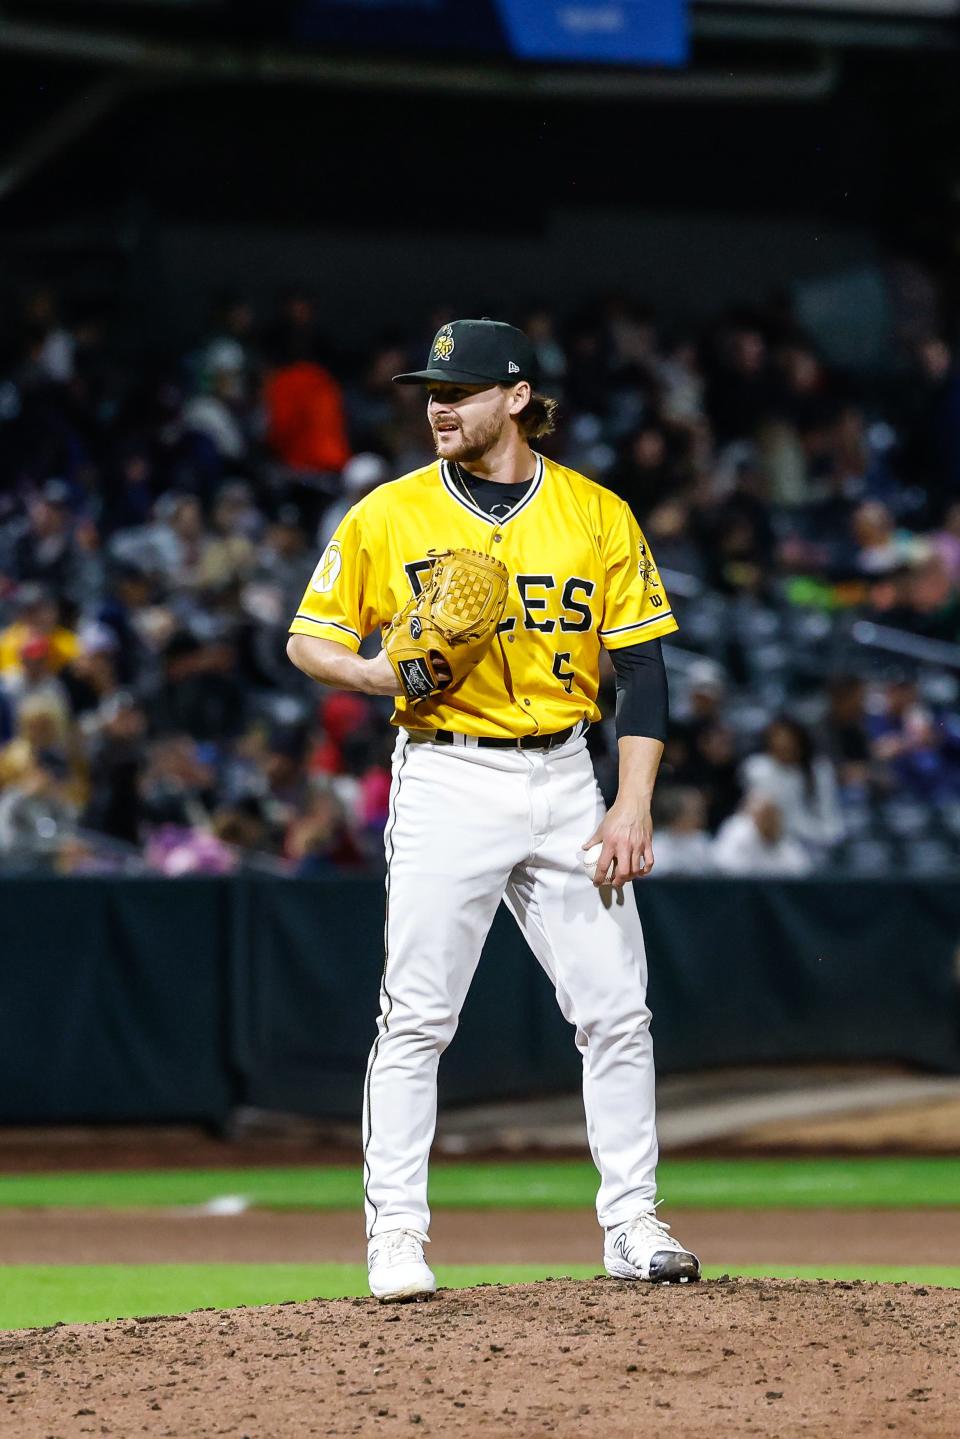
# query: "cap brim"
x,y
445,377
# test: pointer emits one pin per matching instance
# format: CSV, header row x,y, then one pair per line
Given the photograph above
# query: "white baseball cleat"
x,y
397,1268
644,1248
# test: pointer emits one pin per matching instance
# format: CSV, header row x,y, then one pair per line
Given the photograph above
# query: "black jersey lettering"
x,y
584,618
535,604
414,572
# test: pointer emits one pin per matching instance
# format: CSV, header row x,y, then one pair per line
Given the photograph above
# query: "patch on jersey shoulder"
x,y
327,573
443,344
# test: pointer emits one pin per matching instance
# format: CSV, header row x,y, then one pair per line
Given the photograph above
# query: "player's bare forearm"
x,y
626,831
340,668
639,762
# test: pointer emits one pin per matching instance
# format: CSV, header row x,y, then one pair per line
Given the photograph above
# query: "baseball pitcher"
x,y
497,577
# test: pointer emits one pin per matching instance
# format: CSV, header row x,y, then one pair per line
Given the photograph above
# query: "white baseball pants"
x,y
470,826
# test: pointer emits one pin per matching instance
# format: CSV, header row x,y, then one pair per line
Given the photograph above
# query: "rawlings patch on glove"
x,y
445,630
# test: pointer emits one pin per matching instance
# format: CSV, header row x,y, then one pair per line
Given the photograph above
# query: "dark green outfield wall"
x,y
158,999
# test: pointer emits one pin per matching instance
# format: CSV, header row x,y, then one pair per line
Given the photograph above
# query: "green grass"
x,y
902,1183
38,1294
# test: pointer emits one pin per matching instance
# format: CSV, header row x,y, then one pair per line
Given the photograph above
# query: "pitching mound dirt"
x,y
561,1358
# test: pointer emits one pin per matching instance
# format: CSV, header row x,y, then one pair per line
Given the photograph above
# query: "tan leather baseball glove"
x,y
443,632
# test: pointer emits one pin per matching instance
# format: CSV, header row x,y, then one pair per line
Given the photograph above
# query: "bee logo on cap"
x,y
443,344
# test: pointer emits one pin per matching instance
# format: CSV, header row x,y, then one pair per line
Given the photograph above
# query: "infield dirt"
x,y
472,1236
560,1358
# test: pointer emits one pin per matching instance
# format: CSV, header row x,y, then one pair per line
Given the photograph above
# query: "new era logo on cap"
x,y
513,368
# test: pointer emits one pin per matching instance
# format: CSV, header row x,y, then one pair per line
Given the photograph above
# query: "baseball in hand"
x,y
589,858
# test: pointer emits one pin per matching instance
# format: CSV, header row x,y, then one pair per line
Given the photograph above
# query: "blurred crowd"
x,y
160,517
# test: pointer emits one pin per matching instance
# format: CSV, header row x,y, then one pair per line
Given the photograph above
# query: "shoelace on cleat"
x,y
648,1226
400,1244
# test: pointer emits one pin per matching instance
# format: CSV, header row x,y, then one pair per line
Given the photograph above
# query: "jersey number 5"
x,y
561,663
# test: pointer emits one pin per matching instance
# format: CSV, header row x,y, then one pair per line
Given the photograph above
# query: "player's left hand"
x,y
626,836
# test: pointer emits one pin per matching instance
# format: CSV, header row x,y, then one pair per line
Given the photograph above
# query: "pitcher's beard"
x,y
473,449
464,454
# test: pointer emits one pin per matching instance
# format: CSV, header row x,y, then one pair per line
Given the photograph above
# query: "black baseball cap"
x,y
477,352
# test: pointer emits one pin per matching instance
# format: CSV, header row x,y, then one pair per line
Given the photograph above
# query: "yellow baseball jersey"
x,y
582,578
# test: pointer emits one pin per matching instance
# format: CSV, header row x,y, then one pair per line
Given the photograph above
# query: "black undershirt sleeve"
x,y
642,703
